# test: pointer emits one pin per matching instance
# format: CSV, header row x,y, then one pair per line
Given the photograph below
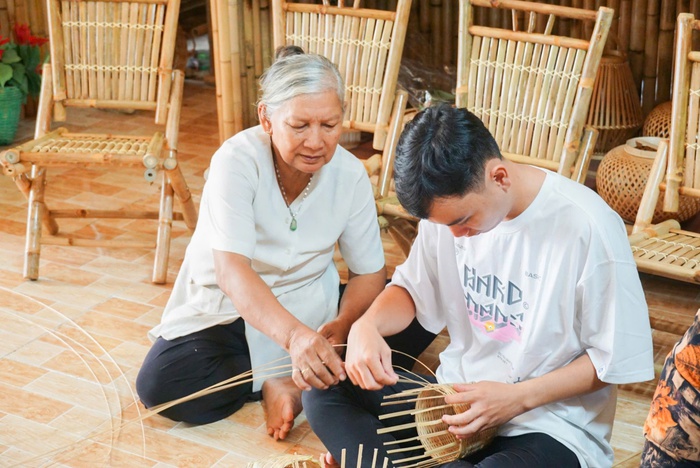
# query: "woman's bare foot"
x,y
327,461
282,403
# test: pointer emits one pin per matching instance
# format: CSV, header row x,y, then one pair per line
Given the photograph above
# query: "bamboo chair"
x,y
531,88
366,45
664,249
113,55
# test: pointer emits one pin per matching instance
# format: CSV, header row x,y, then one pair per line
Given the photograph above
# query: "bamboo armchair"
x,y
664,249
366,45
531,87
111,54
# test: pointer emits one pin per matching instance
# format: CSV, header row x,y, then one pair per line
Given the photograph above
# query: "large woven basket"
x,y
622,176
10,106
658,122
442,445
615,110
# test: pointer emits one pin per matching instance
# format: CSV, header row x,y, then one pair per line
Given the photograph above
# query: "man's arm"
x,y
368,360
495,403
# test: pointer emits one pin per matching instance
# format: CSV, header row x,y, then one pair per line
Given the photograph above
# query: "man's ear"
x,y
498,172
264,119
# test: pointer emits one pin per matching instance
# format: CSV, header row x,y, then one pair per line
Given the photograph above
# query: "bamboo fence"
x,y
242,40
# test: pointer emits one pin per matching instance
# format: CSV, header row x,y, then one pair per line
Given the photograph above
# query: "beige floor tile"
x,y
24,403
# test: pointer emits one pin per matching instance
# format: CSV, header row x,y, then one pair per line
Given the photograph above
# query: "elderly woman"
x,y
258,279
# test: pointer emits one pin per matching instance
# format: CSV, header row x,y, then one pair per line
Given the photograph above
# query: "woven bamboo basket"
x,y
443,446
615,110
622,176
658,122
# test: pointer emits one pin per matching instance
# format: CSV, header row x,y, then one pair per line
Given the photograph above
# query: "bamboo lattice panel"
x,y
114,49
530,102
358,46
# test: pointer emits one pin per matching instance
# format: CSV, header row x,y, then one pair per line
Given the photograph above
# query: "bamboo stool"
x,y
110,55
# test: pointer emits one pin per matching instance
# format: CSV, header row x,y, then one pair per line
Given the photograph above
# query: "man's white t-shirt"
x,y
243,211
532,295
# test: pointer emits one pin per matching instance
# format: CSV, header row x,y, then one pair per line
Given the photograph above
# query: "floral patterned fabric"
x,y
672,428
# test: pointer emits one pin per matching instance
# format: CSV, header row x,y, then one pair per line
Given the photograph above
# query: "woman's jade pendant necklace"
x,y
293,224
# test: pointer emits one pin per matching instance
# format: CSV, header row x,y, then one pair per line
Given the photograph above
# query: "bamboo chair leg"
x,y
590,135
165,223
647,205
395,128
25,185
179,186
35,210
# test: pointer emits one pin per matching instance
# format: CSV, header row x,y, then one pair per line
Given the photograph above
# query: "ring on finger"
x,y
304,370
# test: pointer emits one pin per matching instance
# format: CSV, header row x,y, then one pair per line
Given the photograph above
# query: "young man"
x,y
533,277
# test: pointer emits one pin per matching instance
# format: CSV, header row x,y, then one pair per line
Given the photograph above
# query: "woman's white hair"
x,y
294,73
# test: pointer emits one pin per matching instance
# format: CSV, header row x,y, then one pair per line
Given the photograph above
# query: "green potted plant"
x,y
20,76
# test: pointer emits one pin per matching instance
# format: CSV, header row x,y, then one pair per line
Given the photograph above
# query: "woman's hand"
x,y
314,361
492,404
368,360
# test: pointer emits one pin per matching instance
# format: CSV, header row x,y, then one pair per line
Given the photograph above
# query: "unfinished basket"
x,y
438,444
615,110
622,176
658,122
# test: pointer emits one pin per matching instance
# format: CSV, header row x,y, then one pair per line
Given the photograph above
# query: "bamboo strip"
x,y
107,243
107,214
114,104
331,10
536,38
540,8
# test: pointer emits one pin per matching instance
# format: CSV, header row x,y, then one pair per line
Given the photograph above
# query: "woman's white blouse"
x,y
242,211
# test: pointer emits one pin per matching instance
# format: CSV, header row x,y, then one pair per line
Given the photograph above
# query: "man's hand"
x,y
492,404
368,360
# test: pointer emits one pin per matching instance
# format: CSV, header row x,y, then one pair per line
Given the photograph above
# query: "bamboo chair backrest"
x,y
683,168
530,87
113,54
365,44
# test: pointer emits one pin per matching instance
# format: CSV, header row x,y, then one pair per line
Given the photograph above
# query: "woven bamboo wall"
x,y
242,44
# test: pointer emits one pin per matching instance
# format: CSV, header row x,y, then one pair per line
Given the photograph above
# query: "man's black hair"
x,y
442,153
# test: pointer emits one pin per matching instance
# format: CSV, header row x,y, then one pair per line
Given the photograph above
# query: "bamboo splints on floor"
x,y
434,441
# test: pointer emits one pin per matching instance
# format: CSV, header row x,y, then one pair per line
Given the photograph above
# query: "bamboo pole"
x,y
679,113
637,39
665,63
650,56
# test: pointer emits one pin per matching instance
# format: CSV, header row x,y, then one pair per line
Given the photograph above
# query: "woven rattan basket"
x,y
622,176
658,122
443,446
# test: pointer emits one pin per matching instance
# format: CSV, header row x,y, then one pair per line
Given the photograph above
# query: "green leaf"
x,y
5,74
11,56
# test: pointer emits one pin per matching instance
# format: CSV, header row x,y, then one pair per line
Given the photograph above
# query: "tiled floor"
x,y
72,342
